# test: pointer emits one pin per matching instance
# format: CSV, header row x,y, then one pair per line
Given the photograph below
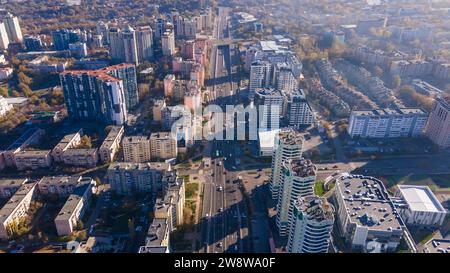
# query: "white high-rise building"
x,y
387,123
129,46
13,28
312,224
115,44
270,103
284,78
144,37
298,180
288,145
438,127
260,76
168,43
298,111
4,40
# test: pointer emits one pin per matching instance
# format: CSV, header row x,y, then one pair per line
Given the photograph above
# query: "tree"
x,y
4,91
24,78
85,143
378,71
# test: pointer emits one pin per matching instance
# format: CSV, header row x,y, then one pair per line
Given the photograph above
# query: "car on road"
x,y
207,215
220,210
219,244
220,188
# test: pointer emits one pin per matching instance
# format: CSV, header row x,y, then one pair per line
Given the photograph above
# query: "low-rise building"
x,y
136,149
59,186
367,218
16,209
81,157
418,206
67,142
9,186
157,240
31,136
33,159
111,145
67,219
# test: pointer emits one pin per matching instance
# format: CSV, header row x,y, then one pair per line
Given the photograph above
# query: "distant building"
x,y
16,209
157,108
438,126
4,40
168,43
12,27
163,145
387,123
144,42
78,50
111,145
364,27
123,47
312,223
127,178
260,76
73,210
419,206
136,149
33,43
425,88
367,218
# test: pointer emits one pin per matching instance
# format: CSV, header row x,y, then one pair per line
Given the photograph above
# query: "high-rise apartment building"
x,y
4,40
144,42
284,79
122,45
163,145
387,123
260,76
168,42
270,103
288,145
312,224
12,27
127,73
298,180
136,149
438,126
298,111
94,95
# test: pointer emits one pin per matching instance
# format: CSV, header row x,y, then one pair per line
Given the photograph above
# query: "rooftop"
x,y
72,202
437,246
156,232
389,112
67,139
315,208
420,198
367,203
290,137
301,167
112,137
139,166
80,152
12,182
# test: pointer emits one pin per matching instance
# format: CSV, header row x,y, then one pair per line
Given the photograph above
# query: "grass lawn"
x,y
318,188
191,190
433,181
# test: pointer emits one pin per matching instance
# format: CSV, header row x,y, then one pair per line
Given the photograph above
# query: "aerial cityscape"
x,y
224,126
